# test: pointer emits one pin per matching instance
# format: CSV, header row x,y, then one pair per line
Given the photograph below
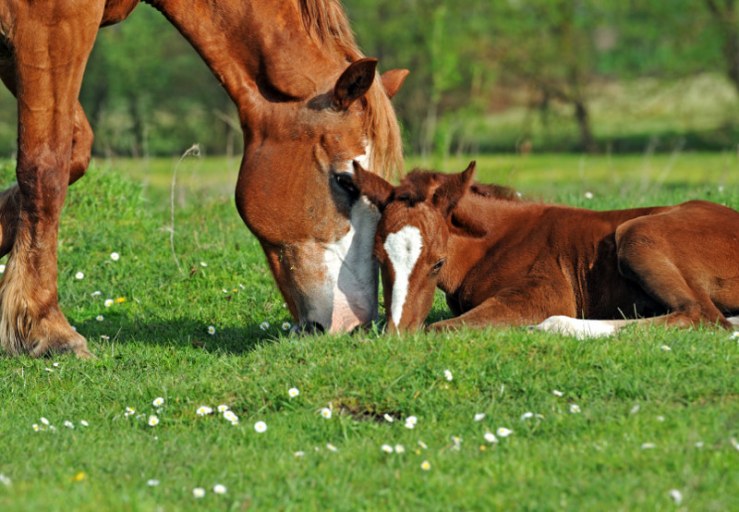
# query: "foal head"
x,y
412,236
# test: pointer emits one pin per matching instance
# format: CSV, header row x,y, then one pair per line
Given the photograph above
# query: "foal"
x,y
501,261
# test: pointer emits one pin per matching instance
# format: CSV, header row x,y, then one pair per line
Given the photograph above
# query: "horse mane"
x,y
420,185
326,21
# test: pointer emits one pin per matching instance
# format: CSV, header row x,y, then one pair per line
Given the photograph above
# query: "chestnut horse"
x,y
308,102
508,262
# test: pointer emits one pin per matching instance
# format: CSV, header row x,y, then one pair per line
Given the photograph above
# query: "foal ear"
x,y
453,188
373,187
392,81
354,82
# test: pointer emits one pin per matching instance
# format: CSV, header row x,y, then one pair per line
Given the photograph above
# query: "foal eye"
x,y
437,266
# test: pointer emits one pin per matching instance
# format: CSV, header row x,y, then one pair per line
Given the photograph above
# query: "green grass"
x,y
156,343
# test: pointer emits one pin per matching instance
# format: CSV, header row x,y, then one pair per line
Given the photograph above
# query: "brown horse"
x,y
308,102
508,262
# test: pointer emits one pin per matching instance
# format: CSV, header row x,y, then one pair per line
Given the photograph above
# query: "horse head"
x,y
316,236
411,241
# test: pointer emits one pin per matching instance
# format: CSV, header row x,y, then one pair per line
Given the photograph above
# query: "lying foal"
x,y
506,262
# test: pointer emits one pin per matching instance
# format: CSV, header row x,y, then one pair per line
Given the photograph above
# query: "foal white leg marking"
x,y
580,329
403,248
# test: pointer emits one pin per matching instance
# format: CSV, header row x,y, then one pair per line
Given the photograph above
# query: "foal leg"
x,y
49,62
514,307
646,257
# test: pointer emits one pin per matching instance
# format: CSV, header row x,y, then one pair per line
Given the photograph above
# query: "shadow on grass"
x,y
180,332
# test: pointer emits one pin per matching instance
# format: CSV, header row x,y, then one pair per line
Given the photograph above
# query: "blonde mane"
x,y
326,21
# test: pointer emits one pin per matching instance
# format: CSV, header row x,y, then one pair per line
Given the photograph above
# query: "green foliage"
x,y
632,392
473,63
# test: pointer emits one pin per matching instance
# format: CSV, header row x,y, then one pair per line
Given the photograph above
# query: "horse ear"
x,y
392,81
354,82
373,187
453,188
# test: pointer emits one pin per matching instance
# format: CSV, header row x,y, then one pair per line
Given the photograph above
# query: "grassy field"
x,y
647,420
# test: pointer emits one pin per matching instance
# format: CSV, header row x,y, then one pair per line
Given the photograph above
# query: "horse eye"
x,y
437,266
346,182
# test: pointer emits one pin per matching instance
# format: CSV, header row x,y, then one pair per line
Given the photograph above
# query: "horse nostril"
x,y
307,328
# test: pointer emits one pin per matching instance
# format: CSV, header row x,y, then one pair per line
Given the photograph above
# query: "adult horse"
x,y
308,102
509,262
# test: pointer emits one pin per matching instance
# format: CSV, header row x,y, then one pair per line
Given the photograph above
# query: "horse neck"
x,y
252,45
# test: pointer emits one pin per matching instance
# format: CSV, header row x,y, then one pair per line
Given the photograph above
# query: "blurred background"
x,y
504,76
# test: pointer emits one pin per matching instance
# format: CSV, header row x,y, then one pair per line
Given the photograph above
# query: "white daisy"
x,y
260,427
331,447
219,489
557,392
2,269
425,465
152,482
158,402
399,448
326,413
386,448
588,195
286,326
503,432
299,453
293,392
410,422
44,421
115,256
203,264
665,348
204,410
448,375
527,415
648,446
211,330
676,496
479,416
223,408
96,293
388,418
490,437
68,424
574,408
84,423
79,275
231,416
264,325
108,303
100,318
153,421
198,492
5,480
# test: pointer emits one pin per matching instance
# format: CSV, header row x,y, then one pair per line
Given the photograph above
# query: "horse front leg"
x,y
82,139
49,62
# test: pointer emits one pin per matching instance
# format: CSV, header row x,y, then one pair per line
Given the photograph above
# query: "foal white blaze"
x,y
403,249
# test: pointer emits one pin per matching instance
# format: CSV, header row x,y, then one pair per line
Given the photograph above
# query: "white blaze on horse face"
x,y
403,249
352,272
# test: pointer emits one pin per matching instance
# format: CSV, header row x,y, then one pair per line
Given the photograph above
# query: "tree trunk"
x,y
725,15
587,141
